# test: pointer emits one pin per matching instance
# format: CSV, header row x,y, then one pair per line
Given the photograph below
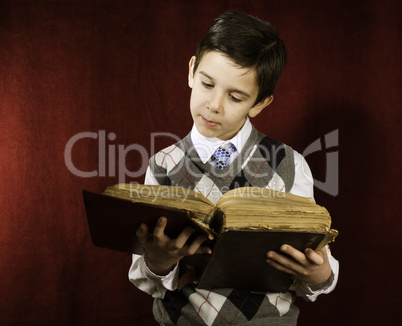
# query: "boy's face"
x,y
222,95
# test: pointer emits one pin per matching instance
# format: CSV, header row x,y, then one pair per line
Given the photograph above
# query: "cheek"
x,y
236,115
193,101
230,121
235,118
196,98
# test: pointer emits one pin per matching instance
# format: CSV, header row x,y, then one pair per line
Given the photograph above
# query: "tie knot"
x,y
222,155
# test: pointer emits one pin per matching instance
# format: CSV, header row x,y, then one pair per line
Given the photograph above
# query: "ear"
x,y
256,109
191,72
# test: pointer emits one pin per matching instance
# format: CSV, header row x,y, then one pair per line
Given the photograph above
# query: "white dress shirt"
x,y
155,285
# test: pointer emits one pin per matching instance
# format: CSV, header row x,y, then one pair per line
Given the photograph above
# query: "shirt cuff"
x,y
147,281
168,281
311,292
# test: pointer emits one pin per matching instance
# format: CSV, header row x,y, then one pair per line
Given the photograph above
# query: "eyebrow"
x,y
232,90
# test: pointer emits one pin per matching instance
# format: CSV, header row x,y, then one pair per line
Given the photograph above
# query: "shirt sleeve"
x,y
303,186
139,273
155,285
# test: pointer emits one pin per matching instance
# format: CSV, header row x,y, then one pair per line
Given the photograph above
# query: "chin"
x,y
208,133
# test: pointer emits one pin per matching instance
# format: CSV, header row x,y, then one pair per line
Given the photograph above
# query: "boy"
x,y
232,77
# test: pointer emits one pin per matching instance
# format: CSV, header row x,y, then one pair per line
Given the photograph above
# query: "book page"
x,y
276,217
261,208
164,196
257,195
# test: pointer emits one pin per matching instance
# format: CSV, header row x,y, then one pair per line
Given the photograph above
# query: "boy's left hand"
x,y
310,267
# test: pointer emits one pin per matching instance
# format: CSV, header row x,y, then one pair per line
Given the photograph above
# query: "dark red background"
x,y
120,67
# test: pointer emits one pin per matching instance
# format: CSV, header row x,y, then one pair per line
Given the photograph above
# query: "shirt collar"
x,y
206,146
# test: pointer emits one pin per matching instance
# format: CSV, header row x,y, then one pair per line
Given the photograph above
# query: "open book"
x,y
242,227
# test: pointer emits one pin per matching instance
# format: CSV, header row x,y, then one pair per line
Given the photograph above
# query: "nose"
x,y
215,102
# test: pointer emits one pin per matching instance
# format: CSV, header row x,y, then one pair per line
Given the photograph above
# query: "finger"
x,y
195,246
294,253
314,257
159,230
284,263
183,237
204,250
280,267
142,233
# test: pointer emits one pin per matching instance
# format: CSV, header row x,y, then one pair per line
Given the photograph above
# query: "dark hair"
x,y
251,43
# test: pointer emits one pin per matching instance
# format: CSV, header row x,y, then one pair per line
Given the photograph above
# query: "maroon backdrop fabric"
x,y
119,69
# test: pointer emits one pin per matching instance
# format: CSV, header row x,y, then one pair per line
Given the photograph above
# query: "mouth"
x,y
208,123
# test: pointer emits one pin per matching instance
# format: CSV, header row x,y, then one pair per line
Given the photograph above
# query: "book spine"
x,y
216,220
329,237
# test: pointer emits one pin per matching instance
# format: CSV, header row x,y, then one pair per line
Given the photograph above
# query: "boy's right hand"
x,y
162,252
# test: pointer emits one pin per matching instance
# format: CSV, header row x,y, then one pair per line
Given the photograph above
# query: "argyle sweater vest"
x,y
263,162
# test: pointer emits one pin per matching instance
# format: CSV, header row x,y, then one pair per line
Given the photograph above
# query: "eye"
x,y
207,85
234,98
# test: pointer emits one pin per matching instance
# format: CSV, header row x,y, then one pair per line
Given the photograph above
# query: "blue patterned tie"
x,y
222,154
